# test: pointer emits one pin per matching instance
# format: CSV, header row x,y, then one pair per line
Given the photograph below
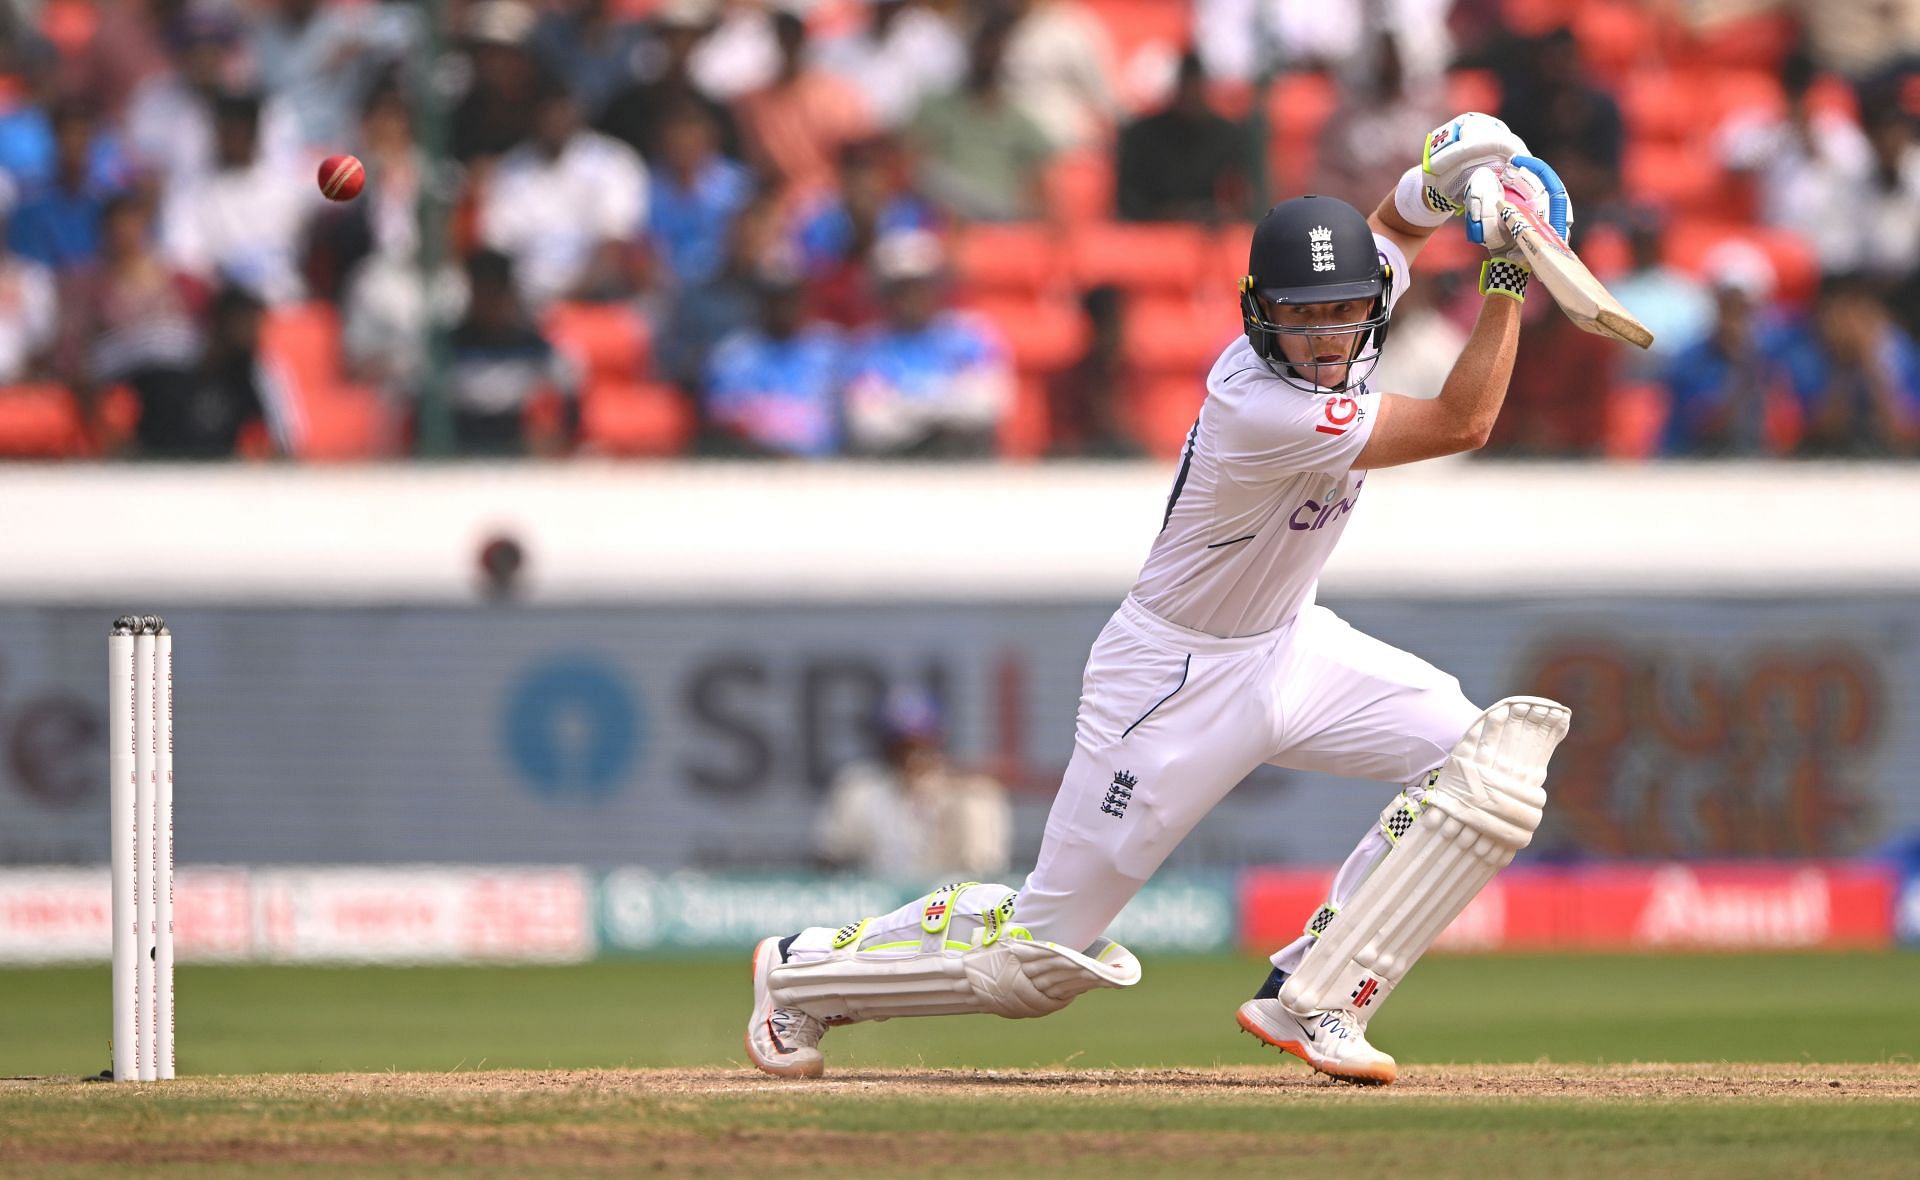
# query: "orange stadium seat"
x,y
1529,18
1027,430
1794,264
1754,42
1675,177
335,419
1162,256
604,340
634,418
1006,259
1041,335
1473,90
1636,415
40,422
1079,187
1616,35
1179,337
1297,108
1167,408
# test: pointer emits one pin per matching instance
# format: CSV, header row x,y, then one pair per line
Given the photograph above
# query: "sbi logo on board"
x,y
573,728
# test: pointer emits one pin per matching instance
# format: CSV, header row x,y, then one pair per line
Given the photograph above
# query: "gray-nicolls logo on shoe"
x,y
1119,794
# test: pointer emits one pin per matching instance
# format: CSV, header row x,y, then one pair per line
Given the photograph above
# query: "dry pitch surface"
x,y
1478,1121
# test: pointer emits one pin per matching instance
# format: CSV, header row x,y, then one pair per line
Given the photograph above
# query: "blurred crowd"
x,y
912,228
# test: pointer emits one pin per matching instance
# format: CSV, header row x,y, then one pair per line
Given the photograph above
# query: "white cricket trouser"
x,y
1172,719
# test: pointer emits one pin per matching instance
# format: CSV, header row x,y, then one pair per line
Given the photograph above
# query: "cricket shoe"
x,y
784,1042
1334,1042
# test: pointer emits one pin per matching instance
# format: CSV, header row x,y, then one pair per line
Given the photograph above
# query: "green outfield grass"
x,y
1833,1008
636,1068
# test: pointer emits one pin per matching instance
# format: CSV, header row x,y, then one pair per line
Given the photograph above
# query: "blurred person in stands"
x,y
1885,216
323,59
1060,71
1859,377
741,53
797,124
773,388
1807,166
170,117
566,206
981,156
1185,161
701,315
1726,391
234,399
502,371
694,193
130,318
1381,107
1087,400
1672,303
1557,398
1241,39
29,318
1427,337
633,114
901,54
1866,42
386,312
385,218
496,112
129,45
1552,103
837,232
911,814
58,225
594,45
244,223
925,383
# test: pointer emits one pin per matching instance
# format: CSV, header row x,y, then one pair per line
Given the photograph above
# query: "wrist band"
x,y
1419,202
1503,276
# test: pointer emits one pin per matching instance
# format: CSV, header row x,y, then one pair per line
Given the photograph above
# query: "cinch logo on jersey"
x,y
1321,240
1119,794
1313,515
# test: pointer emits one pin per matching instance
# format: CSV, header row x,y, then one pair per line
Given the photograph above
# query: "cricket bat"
x,y
1584,298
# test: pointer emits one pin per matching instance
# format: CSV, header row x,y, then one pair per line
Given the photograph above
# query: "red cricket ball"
x,y
342,178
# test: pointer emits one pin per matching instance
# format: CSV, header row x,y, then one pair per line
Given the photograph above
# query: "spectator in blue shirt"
x,y
838,231
695,194
705,313
1858,376
926,383
58,224
1724,387
774,389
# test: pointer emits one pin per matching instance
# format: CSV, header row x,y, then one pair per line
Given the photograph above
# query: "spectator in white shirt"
x,y
29,317
245,222
1060,71
323,59
1807,166
566,207
903,53
169,118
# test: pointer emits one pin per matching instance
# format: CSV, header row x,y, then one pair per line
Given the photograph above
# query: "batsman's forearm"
x,y
1387,217
1477,386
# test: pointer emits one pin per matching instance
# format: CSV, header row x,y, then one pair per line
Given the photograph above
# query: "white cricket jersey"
x,y
1265,487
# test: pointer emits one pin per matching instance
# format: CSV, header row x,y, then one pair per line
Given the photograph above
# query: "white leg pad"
x,y
1478,810
997,967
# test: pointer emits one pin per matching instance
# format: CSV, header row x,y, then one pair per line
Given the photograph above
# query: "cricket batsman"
x,y
1219,660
